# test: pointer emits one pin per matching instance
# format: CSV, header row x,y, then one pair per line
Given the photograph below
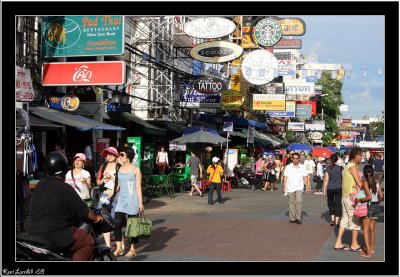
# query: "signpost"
x,y
227,127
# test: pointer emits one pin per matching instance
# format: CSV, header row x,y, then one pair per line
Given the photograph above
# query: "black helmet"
x,y
56,163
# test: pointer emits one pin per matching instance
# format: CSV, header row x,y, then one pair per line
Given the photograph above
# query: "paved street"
x,y
250,226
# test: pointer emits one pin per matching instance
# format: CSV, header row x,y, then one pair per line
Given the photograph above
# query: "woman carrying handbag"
x,y
130,203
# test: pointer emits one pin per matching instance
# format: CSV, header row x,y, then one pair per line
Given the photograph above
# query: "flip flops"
x,y
343,248
365,254
359,249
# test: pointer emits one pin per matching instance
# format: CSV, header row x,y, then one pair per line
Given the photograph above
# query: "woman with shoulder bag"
x,y
130,201
215,171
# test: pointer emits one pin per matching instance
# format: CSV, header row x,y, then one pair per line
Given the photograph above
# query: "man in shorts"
x,y
195,167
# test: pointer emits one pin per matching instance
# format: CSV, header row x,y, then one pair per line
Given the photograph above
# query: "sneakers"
x,y
263,189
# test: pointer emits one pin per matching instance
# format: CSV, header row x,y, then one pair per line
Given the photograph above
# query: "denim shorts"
x,y
373,210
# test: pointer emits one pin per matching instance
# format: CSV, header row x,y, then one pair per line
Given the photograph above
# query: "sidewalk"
x,y
250,226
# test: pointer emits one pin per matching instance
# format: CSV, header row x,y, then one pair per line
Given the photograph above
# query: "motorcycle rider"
x,y
56,209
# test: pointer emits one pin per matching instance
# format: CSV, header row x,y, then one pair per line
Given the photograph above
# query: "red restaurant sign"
x,y
83,73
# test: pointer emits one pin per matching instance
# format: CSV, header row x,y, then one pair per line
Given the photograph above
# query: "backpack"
x,y
102,169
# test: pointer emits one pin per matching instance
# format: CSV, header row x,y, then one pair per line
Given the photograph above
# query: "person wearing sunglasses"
x,y
130,200
295,177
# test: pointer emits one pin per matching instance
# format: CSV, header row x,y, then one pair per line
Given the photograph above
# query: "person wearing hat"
x,y
215,171
79,178
110,168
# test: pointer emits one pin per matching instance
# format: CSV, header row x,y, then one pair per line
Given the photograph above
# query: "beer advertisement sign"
x,y
72,36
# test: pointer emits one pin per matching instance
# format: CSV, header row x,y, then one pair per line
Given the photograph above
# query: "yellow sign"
x,y
292,27
340,74
247,43
269,102
231,100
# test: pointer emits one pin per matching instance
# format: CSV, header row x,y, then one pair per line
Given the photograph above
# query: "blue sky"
x,y
357,43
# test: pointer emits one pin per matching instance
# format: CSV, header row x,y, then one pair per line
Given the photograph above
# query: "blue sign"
x,y
114,107
281,114
228,126
188,95
311,79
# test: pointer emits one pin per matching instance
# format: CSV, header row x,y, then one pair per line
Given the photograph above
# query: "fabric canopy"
x,y
148,127
35,122
80,122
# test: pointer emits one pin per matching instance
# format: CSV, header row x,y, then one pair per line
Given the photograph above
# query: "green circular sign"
x,y
267,32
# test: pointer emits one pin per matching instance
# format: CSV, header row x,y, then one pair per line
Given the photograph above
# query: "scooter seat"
x,y
38,240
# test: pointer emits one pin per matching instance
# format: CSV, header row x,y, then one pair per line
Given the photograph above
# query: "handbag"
x,y
315,178
138,227
361,209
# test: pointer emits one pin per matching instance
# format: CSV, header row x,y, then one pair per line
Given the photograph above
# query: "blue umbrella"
x,y
381,138
299,147
195,129
333,149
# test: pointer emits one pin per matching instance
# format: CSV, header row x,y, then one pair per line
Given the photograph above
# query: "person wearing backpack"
x,y
109,195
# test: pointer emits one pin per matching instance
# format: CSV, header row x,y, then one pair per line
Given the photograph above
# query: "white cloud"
x,y
363,96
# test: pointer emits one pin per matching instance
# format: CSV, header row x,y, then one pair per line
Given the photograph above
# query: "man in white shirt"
x,y
295,178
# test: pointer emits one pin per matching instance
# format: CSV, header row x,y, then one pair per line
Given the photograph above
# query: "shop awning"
x,y
244,122
243,134
274,140
80,122
148,127
35,122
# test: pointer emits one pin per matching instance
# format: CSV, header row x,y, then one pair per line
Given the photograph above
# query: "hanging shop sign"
x,y
68,102
312,103
73,36
322,66
259,67
209,27
267,32
303,110
101,144
231,100
83,73
190,98
227,126
311,79
299,87
288,44
286,68
290,110
283,55
136,144
235,75
316,135
292,26
247,42
269,102
340,74
273,88
23,85
216,51
177,146
209,85
315,126
296,126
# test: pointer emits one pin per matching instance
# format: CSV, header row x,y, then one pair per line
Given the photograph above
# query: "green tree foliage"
x,y
290,136
378,128
330,104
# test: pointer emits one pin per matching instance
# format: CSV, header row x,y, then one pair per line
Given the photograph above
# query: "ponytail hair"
x,y
369,175
334,159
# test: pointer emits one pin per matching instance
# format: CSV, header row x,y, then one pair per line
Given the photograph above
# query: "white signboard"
x,y
316,135
216,51
232,161
322,66
371,144
23,85
299,87
259,67
177,146
344,108
209,27
296,126
315,127
286,68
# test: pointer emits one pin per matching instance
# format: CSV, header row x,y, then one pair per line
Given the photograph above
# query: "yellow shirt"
x,y
348,182
216,177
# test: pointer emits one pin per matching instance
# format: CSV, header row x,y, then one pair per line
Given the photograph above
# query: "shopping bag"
x,y
138,227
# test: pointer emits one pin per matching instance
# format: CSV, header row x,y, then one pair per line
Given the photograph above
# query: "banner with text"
x,y
269,102
23,85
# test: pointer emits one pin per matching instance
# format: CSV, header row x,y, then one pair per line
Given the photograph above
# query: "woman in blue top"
x,y
130,202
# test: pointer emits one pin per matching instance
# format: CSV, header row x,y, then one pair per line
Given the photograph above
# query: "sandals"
x,y
118,253
131,253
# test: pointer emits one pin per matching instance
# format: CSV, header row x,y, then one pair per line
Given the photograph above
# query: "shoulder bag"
x,y
138,227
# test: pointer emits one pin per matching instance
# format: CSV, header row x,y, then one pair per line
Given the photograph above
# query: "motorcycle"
x,y
31,247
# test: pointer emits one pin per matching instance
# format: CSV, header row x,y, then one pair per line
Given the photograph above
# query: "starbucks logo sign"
x,y
267,32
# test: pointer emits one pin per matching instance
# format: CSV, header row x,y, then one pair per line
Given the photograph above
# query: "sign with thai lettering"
x,y
259,67
83,73
267,32
209,85
23,85
290,110
292,26
283,55
288,44
296,126
298,86
286,68
269,102
209,27
231,100
69,36
216,51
